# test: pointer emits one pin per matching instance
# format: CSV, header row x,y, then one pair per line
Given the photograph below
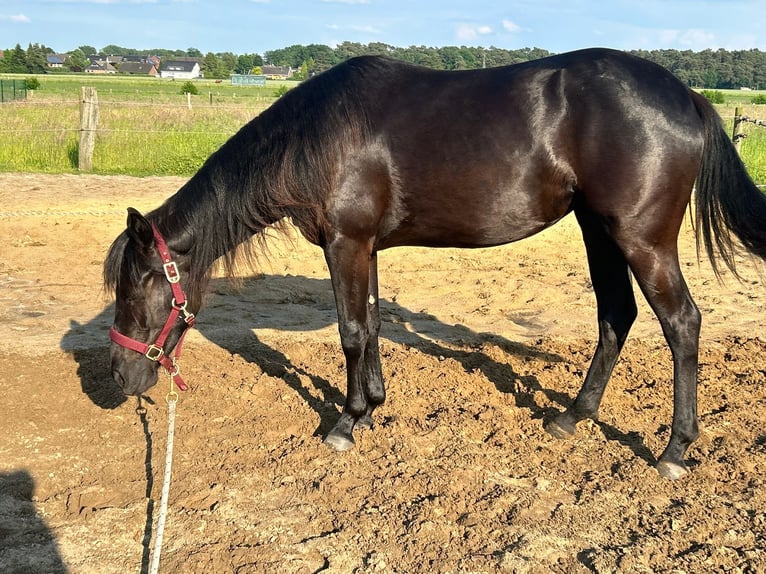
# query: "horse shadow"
x,y
26,543
231,316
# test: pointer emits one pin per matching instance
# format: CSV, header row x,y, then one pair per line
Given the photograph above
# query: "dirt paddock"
x,y
479,348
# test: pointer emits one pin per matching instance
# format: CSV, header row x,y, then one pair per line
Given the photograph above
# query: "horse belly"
x,y
469,217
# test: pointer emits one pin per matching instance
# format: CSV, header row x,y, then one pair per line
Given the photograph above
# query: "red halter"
x,y
155,352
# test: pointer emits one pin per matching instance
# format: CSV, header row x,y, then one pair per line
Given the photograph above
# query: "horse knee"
x,y
352,338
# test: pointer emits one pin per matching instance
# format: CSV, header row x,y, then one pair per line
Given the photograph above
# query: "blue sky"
x,y
254,26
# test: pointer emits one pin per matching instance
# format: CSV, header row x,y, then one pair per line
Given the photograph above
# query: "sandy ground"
x,y
479,347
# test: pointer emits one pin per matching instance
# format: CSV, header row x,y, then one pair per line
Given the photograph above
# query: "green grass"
x,y
753,147
138,89
145,127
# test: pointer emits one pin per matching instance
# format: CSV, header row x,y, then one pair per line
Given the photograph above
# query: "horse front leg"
x,y
349,262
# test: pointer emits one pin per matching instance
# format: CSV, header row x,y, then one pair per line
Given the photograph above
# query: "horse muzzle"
x,y
133,376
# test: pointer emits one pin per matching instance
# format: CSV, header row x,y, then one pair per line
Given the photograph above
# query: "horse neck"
x,y
210,220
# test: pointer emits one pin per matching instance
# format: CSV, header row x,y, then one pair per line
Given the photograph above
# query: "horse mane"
x,y
281,165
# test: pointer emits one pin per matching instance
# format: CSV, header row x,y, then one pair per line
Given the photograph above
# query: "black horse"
x,y
376,153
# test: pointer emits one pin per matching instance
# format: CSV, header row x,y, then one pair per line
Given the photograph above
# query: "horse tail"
x,y
727,200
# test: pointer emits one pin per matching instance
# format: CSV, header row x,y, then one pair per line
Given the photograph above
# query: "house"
x,y
180,69
101,67
56,60
277,72
137,69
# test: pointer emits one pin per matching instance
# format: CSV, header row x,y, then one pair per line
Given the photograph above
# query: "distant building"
x,y
179,69
101,67
56,60
277,72
137,69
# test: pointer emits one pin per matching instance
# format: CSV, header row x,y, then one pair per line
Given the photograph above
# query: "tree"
x,y
36,60
77,61
715,97
303,71
16,62
245,64
193,53
114,50
86,50
189,88
212,67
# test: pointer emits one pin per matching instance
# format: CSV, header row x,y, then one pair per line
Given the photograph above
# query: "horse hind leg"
x,y
616,314
373,386
659,275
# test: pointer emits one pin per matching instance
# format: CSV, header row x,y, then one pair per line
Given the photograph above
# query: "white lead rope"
x,y
154,566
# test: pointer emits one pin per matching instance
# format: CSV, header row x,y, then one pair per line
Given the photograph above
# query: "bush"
x,y
189,88
759,99
33,84
715,97
281,91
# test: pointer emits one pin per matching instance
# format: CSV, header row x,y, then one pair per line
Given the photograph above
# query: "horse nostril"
x,y
117,376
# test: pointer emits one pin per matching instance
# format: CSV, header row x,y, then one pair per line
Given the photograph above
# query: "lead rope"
x,y
171,399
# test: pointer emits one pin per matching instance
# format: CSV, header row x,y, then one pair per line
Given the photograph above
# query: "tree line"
x,y
717,69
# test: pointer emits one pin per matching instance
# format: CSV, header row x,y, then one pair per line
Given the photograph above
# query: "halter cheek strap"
x,y
155,351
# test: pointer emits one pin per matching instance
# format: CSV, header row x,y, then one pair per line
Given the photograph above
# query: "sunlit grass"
x,y
753,147
132,138
146,128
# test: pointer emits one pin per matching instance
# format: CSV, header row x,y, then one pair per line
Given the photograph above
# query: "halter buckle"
x,y
171,272
188,316
154,353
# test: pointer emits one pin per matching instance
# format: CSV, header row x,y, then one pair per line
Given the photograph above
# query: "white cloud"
x,y
696,38
15,18
346,1
356,28
472,31
511,26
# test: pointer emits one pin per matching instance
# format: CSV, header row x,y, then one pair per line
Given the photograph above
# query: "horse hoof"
x,y
338,442
364,423
671,470
556,430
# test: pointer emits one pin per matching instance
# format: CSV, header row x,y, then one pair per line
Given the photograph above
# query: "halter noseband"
x,y
155,352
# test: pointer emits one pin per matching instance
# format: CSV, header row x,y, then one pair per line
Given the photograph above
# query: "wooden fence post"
x,y
737,136
88,125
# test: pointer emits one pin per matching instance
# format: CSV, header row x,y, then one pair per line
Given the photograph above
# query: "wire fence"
x,y
160,136
132,138
740,119
12,90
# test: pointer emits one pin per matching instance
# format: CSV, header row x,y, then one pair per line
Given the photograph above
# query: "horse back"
x,y
484,157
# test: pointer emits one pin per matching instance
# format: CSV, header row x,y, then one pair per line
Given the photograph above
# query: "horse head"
x,y
151,314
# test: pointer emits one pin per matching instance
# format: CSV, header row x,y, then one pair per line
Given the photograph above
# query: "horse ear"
x,y
139,228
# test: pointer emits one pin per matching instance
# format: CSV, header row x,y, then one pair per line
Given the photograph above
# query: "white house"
x,y
180,69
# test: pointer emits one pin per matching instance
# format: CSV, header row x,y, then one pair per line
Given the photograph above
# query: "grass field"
x,y
146,127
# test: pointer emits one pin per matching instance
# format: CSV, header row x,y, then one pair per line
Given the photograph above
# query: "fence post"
x,y
88,124
737,136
